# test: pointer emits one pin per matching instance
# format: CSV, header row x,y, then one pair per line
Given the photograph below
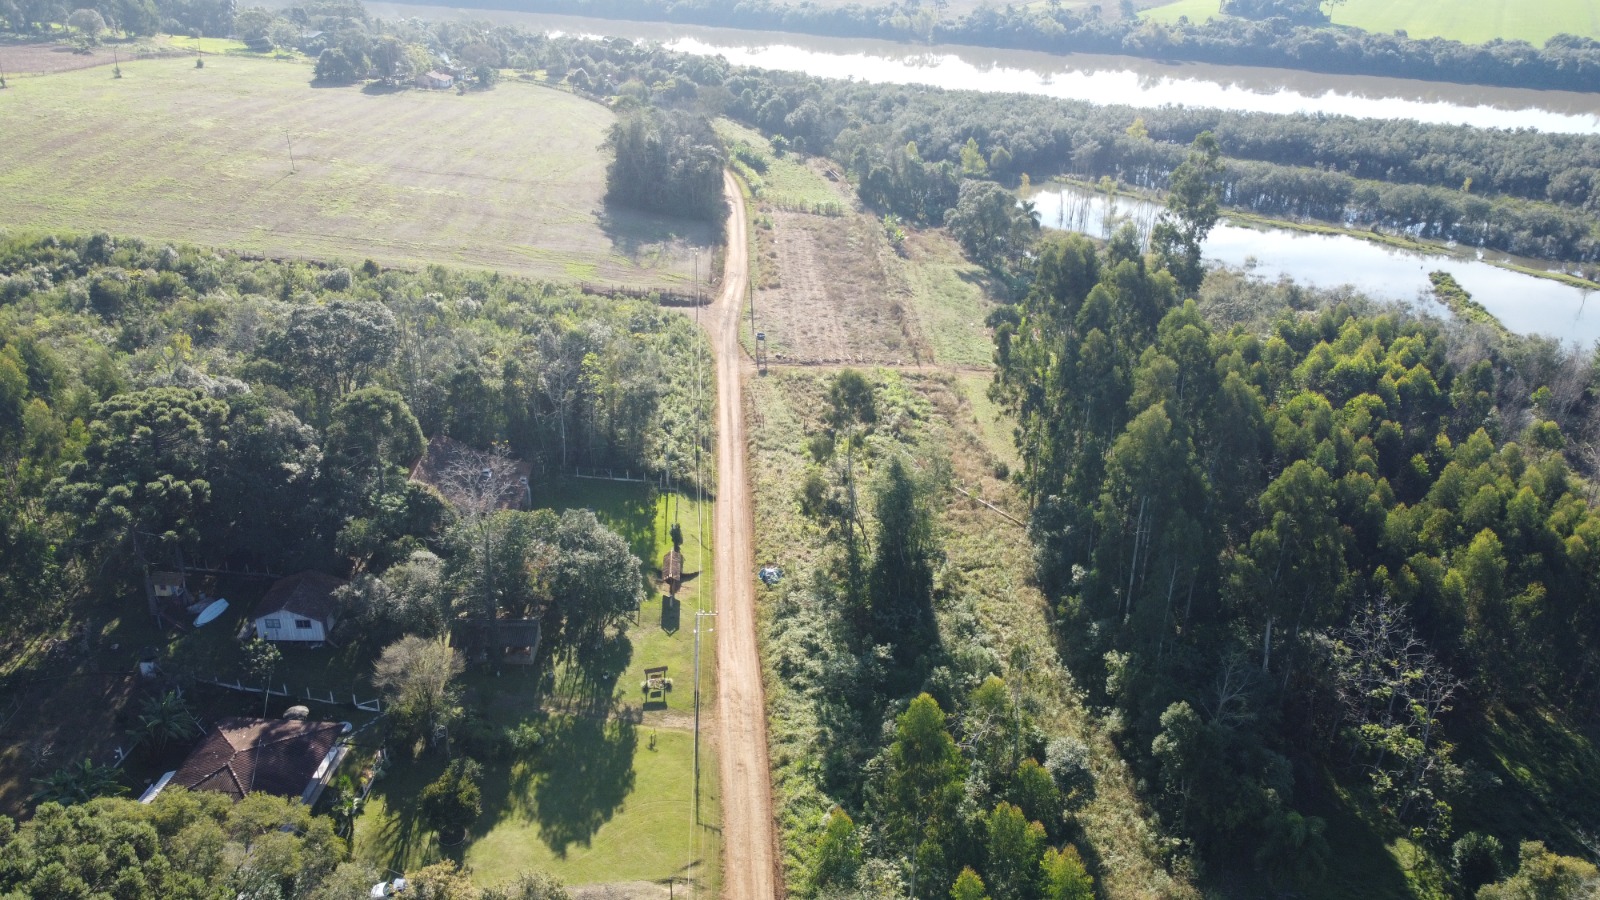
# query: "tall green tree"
x,y
1193,198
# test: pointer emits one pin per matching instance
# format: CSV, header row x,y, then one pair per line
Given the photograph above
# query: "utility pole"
x,y
290,141
699,614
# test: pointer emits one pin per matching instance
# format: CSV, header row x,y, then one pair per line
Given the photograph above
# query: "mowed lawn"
x,y
510,179
596,804
1471,21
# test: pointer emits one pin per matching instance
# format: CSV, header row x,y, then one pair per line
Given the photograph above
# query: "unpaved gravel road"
x,y
749,838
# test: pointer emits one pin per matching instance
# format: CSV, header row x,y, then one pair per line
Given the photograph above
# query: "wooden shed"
x,y
672,572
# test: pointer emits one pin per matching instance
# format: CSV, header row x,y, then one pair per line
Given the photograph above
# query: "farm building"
x,y
508,641
284,757
167,584
297,608
437,81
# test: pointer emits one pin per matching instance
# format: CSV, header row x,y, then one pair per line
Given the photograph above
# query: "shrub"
x,y
454,801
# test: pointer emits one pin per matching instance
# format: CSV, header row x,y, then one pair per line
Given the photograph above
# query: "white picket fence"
x,y
373,705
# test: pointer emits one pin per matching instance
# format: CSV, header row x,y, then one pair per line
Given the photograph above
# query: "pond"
x,y
1523,303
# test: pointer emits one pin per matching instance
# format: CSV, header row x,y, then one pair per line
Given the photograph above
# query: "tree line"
x,y
1565,62
909,149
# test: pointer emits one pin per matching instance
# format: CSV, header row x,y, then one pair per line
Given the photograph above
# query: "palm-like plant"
x,y
163,719
78,783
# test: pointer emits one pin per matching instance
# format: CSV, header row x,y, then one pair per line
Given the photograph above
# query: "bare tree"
x,y
1393,691
560,376
478,483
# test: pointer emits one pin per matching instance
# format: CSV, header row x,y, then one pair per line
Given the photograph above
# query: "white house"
x,y
298,608
434,80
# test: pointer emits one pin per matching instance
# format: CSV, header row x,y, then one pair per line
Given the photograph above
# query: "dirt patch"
x,y
750,854
44,58
625,890
830,293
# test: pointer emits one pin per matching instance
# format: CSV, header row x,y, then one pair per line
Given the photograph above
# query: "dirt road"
x,y
749,838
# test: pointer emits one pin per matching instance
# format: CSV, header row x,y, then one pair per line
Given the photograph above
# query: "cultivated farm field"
x,y
509,179
1470,21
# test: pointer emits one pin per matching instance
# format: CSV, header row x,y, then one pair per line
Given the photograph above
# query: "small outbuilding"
x,y
435,80
672,571
512,642
299,608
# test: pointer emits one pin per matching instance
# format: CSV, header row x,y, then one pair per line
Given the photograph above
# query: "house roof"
x,y
274,756
308,594
166,578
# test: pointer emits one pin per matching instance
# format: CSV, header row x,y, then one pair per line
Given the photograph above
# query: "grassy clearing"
x,y
595,804
1471,21
988,559
949,299
507,179
664,634
786,182
209,44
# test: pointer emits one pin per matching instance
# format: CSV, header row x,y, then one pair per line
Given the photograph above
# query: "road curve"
x,y
749,838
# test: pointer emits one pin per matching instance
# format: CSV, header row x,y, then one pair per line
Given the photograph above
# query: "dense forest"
x,y
1342,541
162,404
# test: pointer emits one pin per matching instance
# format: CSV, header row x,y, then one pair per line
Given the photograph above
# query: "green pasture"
x,y
1471,21
664,632
246,154
595,803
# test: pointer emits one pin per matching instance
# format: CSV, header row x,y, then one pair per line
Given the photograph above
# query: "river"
x,y
1080,76
1523,303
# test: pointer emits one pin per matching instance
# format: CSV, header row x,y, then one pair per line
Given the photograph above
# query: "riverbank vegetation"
x,y
908,149
1467,21
1250,532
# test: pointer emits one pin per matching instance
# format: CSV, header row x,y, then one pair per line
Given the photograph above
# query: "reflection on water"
x,y
1524,303
1081,76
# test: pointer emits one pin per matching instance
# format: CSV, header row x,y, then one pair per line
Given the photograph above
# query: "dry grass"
x,y
509,179
988,561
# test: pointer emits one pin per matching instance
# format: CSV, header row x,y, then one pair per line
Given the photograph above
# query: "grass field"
x,y
509,179
664,634
1471,21
595,804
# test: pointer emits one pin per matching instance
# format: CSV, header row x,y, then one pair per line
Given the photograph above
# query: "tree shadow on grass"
x,y
671,614
403,835
586,773
635,234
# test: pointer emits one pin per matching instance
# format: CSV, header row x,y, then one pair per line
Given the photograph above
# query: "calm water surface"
x,y
1097,79
1524,303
